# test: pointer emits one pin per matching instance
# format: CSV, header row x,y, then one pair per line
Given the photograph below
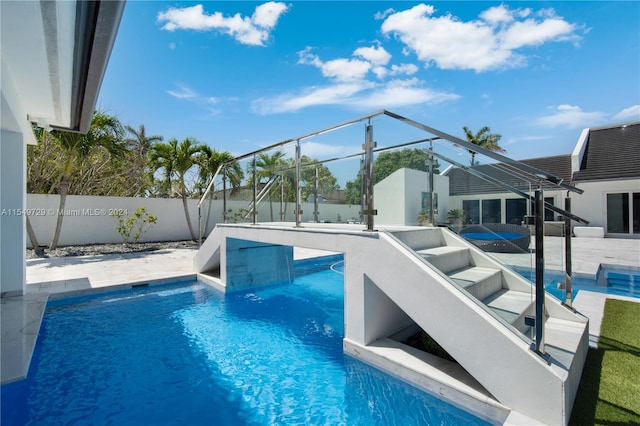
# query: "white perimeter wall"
x,y
88,221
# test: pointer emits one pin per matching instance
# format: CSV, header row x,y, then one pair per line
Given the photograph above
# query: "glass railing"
x,y
385,169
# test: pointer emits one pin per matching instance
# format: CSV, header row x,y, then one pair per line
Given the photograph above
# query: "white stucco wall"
x,y
12,220
15,133
398,197
592,205
88,221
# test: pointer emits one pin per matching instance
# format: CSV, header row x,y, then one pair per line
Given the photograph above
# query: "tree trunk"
x,y
64,189
186,214
34,241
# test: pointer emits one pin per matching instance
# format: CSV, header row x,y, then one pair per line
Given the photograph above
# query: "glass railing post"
x,y
298,161
432,219
315,197
367,177
282,198
567,253
540,294
254,209
224,195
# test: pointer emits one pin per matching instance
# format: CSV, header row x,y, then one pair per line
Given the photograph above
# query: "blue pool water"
x,y
618,281
185,354
491,236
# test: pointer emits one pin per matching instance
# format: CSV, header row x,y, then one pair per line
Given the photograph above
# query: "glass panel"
x,y
516,209
548,214
491,211
636,212
471,209
618,213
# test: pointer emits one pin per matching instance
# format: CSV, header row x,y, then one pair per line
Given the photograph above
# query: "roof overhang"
x,y
55,54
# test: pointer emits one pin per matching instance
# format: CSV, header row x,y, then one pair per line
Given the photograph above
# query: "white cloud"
x,y
398,93
487,43
408,69
266,15
532,33
376,55
184,92
254,30
572,117
361,95
350,84
325,95
497,14
172,46
340,69
631,113
206,103
381,15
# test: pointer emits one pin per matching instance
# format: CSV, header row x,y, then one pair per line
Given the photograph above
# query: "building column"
x,y
13,188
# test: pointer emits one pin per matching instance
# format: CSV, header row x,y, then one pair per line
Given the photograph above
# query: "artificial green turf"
x,y
609,392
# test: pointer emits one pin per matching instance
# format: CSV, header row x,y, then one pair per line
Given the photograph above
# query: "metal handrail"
x,y
508,187
210,186
491,154
206,194
263,193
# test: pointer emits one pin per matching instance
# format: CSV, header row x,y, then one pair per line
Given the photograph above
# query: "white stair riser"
x,y
452,261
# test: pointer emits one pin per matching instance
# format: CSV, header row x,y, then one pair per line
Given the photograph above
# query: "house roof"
x,y
461,182
611,153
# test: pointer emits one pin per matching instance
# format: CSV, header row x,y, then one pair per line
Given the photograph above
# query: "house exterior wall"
x,y
12,204
592,205
15,133
455,201
398,198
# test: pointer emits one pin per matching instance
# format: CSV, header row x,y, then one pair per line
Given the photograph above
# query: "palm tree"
x,y
268,167
105,132
176,159
485,139
211,160
140,141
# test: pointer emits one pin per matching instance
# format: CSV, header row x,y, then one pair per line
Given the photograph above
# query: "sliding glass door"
x,y
623,213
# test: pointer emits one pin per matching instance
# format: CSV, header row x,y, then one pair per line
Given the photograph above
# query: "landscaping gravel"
x,y
98,249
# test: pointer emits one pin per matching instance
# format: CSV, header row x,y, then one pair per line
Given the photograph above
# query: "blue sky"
x,y
242,75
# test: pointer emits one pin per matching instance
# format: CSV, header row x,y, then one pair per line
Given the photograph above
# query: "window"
x,y
491,211
548,214
618,213
516,209
426,199
471,210
636,212
623,213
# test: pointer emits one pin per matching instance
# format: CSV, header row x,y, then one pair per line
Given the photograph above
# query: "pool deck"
x,y
61,277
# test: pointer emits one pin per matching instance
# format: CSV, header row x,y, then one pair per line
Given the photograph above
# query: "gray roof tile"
x,y
611,153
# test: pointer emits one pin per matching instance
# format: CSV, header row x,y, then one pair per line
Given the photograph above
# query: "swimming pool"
x,y
620,281
186,354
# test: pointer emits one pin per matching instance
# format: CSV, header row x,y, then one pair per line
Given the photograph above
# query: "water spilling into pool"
x,y
185,354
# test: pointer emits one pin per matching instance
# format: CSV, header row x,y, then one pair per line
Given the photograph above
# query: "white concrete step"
x,y
512,306
446,258
562,340
479,282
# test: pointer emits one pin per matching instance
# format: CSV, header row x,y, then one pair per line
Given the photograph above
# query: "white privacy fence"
x,y
88,219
